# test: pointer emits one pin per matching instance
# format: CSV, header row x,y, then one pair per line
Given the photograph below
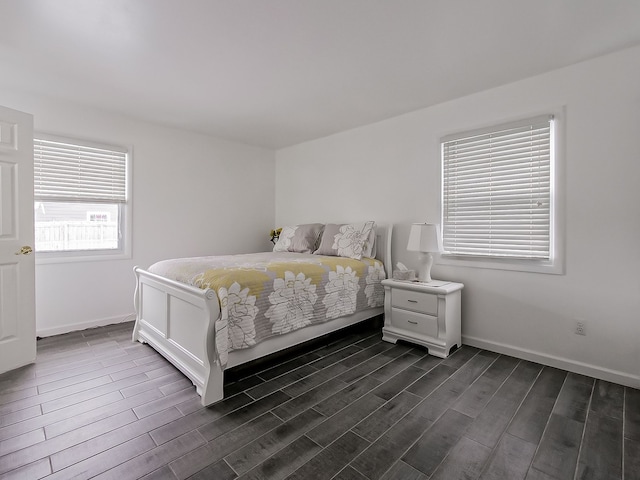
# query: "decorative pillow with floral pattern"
x,y
298,238
370,250
347,240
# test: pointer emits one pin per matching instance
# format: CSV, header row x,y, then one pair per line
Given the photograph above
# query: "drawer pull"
x,y
412,323
412,301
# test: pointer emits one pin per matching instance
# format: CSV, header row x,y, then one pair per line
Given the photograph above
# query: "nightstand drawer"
x,y
415,322
416,301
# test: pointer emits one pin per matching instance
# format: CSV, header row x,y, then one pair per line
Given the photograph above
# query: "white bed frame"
x,y
177,320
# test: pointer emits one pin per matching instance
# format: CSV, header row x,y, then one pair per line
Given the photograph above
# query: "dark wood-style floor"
x,y
96,405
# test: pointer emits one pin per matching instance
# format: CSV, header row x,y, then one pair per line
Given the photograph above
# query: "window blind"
x,y
71,171
497,191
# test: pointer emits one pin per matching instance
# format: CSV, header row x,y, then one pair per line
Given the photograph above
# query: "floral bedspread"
x,y
273,293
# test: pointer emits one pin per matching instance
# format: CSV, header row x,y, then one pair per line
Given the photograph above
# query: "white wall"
x,y
192,195
390,171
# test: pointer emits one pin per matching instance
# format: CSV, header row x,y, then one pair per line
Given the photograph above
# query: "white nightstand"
x,y
424,313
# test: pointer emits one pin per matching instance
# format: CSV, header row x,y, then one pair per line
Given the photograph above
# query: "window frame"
x,y
124,211
555,263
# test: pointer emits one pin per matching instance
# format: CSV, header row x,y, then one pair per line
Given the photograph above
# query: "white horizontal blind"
x,y
497,191
73,171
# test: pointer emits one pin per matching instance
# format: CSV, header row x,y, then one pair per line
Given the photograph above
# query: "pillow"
x,y
298,238
347,240
369,250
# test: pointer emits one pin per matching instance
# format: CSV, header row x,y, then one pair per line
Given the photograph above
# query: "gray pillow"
x,y
370,250
346,240
299,238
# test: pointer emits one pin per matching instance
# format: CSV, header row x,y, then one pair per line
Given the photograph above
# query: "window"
x,y
81,198
498,196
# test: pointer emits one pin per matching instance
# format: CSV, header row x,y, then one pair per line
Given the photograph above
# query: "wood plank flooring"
x,y
348,407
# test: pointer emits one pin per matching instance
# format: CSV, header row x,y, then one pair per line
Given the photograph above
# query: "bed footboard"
x,y
178,321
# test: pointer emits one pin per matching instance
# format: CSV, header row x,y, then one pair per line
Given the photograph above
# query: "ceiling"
x,y
276,73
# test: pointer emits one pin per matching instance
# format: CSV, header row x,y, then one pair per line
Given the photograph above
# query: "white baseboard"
x,y
554,361
72,327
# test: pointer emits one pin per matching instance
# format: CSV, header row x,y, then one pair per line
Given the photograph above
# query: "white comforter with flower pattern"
x,y
267,294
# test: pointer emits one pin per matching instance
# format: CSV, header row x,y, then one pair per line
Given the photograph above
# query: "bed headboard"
x,y
383,246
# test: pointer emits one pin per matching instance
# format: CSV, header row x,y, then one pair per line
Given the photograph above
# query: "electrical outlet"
x,y
580,329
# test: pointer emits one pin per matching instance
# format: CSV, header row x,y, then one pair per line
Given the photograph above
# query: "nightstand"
x,y
424,313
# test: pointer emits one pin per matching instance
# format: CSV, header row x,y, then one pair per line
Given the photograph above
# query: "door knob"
x,y
26,250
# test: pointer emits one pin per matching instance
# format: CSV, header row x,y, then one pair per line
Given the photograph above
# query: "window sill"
x,y
44,258
518,265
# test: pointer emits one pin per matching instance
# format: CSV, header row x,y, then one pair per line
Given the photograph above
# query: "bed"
x,y
183,306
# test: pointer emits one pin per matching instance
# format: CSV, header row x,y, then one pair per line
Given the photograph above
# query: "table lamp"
x,y
424,238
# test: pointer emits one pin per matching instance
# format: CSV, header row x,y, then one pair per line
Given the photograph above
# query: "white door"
x,y
17,265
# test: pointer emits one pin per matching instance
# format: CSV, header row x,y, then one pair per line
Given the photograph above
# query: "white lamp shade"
x,y
424,237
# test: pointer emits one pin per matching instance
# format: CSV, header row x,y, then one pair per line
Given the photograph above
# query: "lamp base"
x,y
424,271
